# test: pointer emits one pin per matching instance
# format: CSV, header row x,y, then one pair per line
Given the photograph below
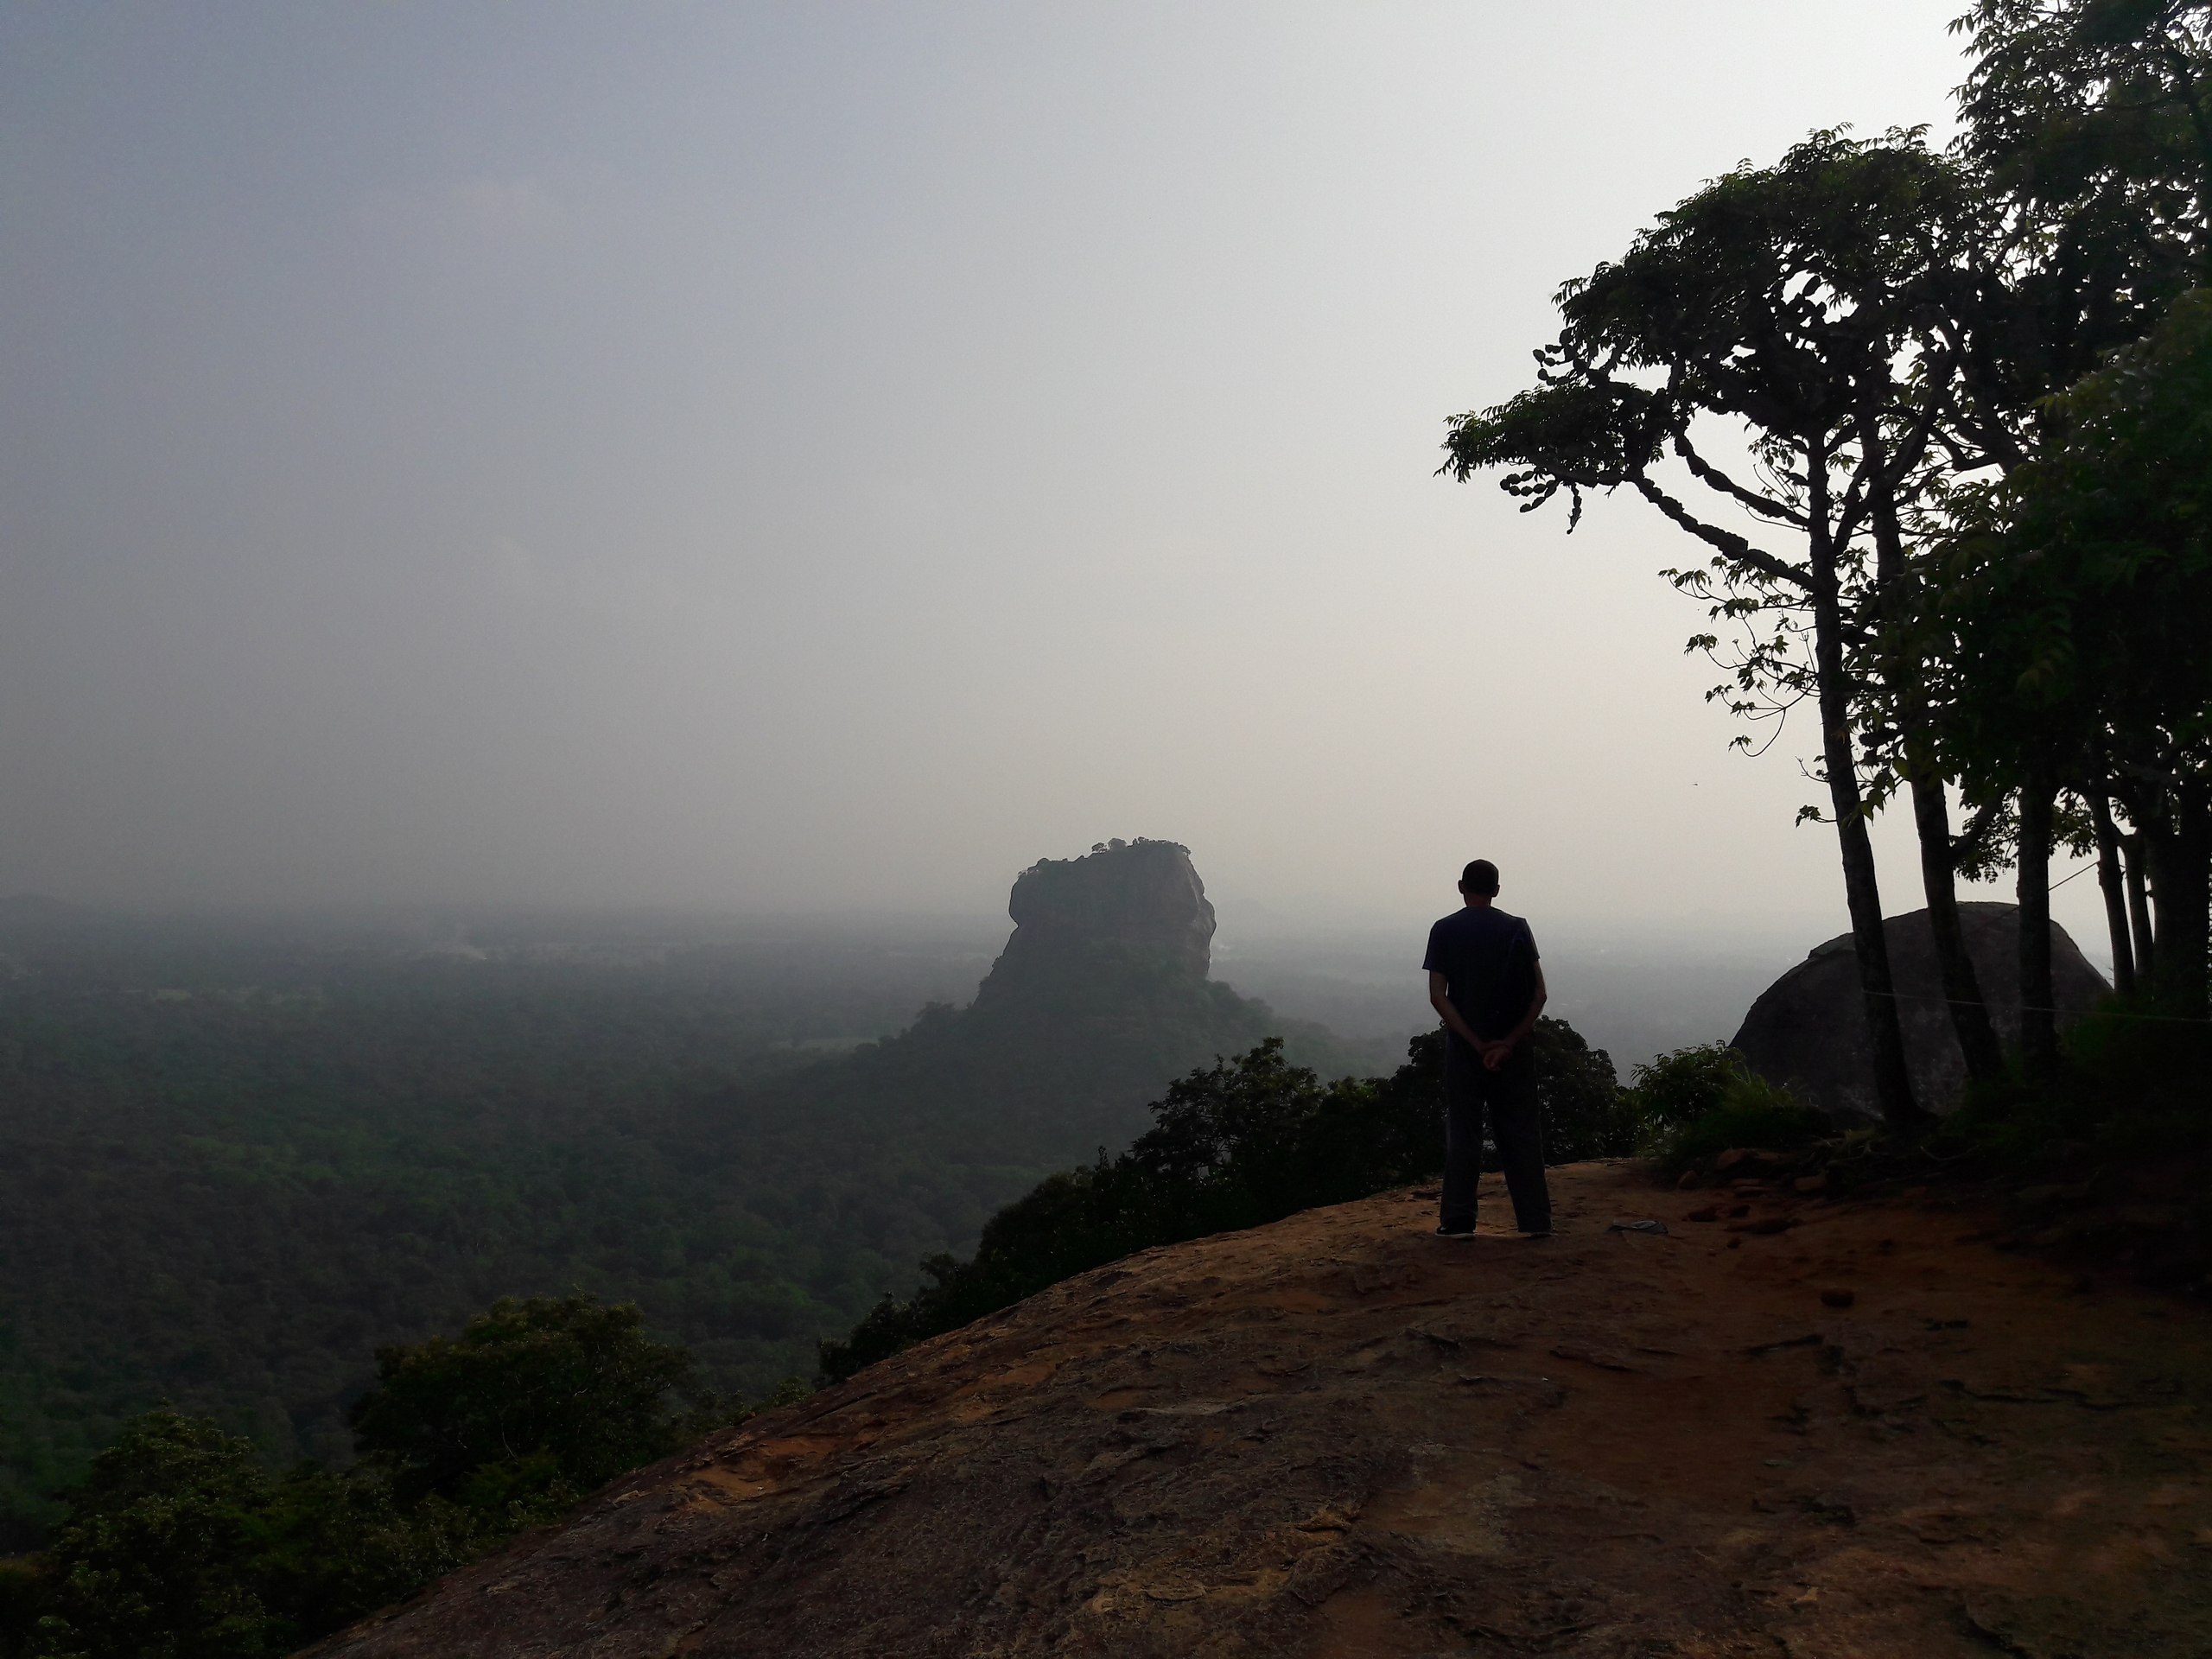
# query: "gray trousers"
x,y
1509,1095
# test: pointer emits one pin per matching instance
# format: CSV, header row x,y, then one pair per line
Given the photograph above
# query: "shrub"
x,y
1586,1113
181,1545
1672,1091
1752,1112
2130,1089
1245,1142
1695,1101
156,1558
533,1405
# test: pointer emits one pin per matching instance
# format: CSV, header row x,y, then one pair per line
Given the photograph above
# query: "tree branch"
x,y
1730,545
1713,478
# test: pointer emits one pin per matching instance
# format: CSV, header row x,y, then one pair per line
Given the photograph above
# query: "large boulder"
x,y
1125,905
1807,1031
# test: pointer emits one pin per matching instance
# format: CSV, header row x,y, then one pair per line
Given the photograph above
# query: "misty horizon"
x,y
789,461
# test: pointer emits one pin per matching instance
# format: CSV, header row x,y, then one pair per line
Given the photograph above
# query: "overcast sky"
x,y
829,456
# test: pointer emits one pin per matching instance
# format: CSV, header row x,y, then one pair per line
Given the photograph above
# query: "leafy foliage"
x,y
156,1558
1587,1114
181,1544
1696,1102
2077,600
1786,310
1883,328
1674,1091
533,1405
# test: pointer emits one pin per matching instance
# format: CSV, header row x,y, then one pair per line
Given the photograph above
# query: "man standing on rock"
x,y
1486,981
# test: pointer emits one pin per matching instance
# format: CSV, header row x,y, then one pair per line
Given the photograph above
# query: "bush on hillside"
x,y
1250,1140
1245,1142
1696,1102
1586,1113
1670,1092
2130,1089
533,1405
181,1545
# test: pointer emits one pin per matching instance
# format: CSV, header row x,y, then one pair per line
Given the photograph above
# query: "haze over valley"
x,y
789,785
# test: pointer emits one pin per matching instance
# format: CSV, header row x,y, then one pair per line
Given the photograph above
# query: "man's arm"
x,y
1452,1022
1495,1054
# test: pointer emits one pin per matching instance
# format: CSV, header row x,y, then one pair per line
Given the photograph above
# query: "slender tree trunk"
x,y
2139,911
2109,879
1862,892
1894,613
2180,889
2038,1018
1939,878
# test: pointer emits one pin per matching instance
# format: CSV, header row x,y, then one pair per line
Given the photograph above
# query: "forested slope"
x,y
228,1171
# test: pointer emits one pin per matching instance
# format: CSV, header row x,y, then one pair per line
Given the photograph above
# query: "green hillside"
x,y
229,1171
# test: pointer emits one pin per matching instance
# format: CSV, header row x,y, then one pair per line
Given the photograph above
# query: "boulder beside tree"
x,y
1808,1030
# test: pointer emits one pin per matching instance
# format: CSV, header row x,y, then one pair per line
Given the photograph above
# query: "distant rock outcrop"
x,y
1099,999
1128,904
1807,1031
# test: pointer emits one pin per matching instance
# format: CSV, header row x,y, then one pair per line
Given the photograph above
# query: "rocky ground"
x,y
1813,1428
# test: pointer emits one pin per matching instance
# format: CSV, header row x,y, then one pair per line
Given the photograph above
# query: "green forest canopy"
x,y
236,1161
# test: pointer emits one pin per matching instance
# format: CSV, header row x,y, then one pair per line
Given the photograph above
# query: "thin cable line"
x,y
2106,1013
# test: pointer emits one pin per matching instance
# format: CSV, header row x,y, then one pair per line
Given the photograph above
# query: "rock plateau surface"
x,y
1825,1430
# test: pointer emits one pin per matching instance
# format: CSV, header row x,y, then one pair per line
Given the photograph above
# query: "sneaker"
x,y
1455,1232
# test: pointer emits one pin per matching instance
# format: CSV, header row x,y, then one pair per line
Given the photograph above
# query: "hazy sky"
x,y
828,455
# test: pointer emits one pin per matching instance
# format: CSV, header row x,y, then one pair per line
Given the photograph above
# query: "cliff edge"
x,y
1827,1429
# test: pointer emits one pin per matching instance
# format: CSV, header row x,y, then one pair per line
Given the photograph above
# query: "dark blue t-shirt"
x,y
1489,962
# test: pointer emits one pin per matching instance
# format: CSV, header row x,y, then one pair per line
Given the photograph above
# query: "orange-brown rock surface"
x,y
1342,1436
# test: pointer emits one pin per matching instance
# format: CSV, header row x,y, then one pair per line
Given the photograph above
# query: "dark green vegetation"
x,y
1246,1141
1697,1101
1975,389
235,1161
182,1542
181,1545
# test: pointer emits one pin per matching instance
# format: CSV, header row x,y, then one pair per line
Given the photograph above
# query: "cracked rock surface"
x,y
1340,1435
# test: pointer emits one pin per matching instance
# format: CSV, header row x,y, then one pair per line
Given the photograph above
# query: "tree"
x,y
1585,1114
2095,116
535,1404
2079,598
155,1561
2092,120
1786,308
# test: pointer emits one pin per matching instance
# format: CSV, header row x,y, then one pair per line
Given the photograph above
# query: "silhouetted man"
x,y
1485,980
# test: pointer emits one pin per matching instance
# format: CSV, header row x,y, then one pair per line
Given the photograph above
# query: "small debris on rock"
x,y
1647,1225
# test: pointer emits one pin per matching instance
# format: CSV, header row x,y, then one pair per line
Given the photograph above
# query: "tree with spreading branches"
x,y
1783,312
